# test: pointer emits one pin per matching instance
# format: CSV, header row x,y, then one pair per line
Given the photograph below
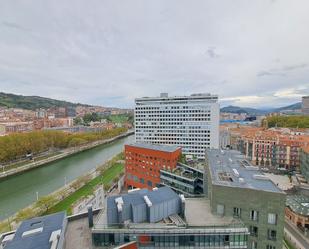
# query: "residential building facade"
x,y
304,162
191,122
272,149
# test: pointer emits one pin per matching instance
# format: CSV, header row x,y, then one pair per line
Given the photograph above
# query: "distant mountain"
x,y
32,102
295,106
253,111
237,109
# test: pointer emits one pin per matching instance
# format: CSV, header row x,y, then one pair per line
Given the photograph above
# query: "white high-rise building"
x,y
191,122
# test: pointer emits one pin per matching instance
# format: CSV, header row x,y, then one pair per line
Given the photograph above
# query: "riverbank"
x,y
63,198
61,155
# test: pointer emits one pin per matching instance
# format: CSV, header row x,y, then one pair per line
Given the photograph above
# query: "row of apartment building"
x,y
268,148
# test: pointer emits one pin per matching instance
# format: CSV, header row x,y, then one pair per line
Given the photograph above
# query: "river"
x,y
19,191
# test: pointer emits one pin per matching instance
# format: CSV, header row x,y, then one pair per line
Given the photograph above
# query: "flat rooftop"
x,y
230,168
298,203
196,96
164,148
78,234
198,213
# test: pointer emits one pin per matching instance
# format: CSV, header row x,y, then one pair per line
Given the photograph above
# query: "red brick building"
x,y
144,162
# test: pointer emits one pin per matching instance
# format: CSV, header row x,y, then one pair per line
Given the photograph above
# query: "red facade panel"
x,y
143,165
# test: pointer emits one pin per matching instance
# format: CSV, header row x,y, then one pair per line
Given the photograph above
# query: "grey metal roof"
x,y
298,203
165,148
50,223
230,168
133,199
161,195
137,197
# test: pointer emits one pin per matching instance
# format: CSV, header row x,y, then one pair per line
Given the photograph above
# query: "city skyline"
x,y
109,53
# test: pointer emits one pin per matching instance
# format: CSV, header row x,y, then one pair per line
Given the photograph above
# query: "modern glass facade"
x,y
197,238
185,180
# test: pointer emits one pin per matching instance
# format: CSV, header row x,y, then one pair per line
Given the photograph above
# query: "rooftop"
x,y
299,204
37,233
198,213
230,168
78,234
196,96
165,148
137,197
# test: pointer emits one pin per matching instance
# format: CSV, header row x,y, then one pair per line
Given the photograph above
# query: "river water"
x,y
19,191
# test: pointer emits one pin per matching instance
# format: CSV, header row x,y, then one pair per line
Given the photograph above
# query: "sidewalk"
x,y
295,236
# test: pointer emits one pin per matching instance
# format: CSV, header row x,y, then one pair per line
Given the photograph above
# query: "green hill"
x,y
254,111
31,102
237,109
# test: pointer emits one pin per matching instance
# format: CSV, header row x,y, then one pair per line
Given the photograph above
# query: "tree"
x,y
16,146
78,121
75,141
46,202
107,187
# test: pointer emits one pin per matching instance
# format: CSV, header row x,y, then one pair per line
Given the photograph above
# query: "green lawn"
x,y
287,244
87,189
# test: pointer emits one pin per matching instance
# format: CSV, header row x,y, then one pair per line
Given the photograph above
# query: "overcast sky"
x,y
251,53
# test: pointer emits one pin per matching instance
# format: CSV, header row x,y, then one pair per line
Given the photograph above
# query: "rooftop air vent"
x,y
242,180
148,202
32,232
236,173
261,177
54,238
119,203
132,190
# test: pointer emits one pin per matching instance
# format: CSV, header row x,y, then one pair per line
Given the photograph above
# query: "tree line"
x,y
18,145
288,121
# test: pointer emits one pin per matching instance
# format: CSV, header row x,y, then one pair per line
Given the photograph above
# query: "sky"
x,y
108,52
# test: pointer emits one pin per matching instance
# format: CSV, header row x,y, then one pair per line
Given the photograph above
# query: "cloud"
x,y
14,26
90,52
269,73
292,92
211,51
294,67
282,71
